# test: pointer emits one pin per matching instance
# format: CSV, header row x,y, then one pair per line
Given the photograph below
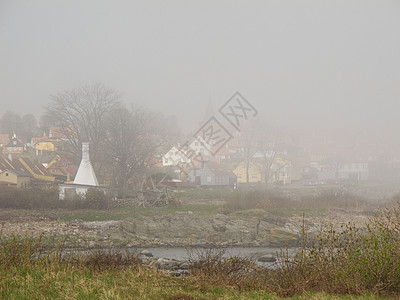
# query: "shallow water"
x,y
182,253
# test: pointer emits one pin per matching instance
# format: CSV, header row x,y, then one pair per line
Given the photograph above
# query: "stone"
x,y
146,253
267,258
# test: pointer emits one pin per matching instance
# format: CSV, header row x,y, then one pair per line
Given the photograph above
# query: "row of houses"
x,y
18,168
22,172
233,164
196,163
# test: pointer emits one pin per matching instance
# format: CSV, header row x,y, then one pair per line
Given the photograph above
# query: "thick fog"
x,y
312,65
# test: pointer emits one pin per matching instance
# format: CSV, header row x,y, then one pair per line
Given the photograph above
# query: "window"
x,y
254,176
239,176
6,174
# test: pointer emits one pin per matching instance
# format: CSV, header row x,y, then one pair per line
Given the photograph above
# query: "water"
x,y
182,253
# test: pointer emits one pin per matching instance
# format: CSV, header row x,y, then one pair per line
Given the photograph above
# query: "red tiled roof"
x,y
4,138
65,167
44,138
62,132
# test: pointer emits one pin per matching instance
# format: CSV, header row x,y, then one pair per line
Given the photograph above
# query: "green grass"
x,y
74,283
66,282
26,272
129,212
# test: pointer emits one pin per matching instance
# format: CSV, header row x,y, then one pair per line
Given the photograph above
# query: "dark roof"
x,y
219,169
36,168
15,164
19,173
14,142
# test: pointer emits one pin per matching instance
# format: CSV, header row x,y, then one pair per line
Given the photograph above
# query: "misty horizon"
x,y
331,66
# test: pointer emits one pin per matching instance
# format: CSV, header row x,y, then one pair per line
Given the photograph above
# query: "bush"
x,y
36,198
97,199
32,198
345,261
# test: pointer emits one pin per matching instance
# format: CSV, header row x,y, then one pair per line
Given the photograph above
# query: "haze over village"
x,y
250,126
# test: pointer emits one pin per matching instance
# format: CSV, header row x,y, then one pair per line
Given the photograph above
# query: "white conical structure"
x,y
85,174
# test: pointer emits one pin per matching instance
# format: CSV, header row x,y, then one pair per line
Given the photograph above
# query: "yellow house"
x,y
255,172
280,171
15,178
43,144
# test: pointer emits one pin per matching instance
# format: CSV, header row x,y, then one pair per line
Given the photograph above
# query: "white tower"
x,y
85,174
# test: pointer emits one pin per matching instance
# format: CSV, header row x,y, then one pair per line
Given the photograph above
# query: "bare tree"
x,y
82,113
134,140
249,138
262,146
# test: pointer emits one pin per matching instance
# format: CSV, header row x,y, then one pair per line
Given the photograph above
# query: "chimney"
x,y
9,157
85,174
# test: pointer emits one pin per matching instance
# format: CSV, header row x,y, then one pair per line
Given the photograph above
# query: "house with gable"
x,y
36,172
62,168
280,171
211,174
43,143
14,146
62,133
255,172
175,157
18,178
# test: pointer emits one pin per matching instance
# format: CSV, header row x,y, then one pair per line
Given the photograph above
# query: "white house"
x,y
174,157
184,154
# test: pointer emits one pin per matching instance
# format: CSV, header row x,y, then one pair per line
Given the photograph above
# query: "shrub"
x,y
32,198
37,198
97,199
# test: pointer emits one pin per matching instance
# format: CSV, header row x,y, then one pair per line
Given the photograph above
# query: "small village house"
x,y
17,178
37,172
280,171
255,172
43,143
62,168
14,146
174,157
211,174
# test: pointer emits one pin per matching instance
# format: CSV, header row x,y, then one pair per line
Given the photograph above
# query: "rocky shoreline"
x,y
180,229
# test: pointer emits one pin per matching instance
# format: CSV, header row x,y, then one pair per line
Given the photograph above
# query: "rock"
x,y
184,266
267,258
146,253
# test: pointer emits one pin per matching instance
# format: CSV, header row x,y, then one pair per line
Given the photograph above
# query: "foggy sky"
x,y
328,64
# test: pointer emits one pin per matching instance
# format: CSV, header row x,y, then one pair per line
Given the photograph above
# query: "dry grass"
x,y
273,202
349,261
